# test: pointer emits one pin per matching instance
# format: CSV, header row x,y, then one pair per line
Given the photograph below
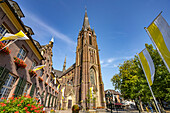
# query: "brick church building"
x,y
82,82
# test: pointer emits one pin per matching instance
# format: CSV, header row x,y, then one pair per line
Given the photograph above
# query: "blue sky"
x,y
119,26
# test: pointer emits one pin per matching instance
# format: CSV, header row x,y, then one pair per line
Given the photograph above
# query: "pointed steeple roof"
x,y
86,24
94,32
52,39
64,66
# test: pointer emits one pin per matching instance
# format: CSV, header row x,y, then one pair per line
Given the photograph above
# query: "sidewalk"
x,y
98,111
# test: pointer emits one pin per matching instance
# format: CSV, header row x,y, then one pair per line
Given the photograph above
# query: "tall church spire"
x,y
64,66
51,42
86,24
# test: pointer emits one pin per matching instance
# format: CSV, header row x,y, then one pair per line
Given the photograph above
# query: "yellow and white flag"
x,y
19,36
62,90
91,92
38,67
159,32
58,87
147,65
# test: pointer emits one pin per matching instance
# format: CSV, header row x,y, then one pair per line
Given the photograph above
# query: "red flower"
x,y
3,104
36,98
32,109
17,112
6,50
28,112
22,101
25,108
19,62
2,98
4,110
28,96
19,105
28,104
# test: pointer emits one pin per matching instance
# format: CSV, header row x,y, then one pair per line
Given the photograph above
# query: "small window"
x,y
42,52
34,63
3,31
41,72
90,40
49,89
22,54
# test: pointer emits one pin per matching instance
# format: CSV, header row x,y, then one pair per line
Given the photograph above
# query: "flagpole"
x,y
156,18
150,87
9,44
153,95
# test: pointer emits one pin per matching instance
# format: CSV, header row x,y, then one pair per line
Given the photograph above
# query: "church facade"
x,y
82,82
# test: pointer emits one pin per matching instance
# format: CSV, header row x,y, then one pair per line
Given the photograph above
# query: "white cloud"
x,y
101,62
114,62
105,65
42,28
114,65
110,60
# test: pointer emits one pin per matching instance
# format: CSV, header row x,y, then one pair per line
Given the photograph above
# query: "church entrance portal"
x,y
69,104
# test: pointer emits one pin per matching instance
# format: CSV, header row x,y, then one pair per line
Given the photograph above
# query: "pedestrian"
x,y
147,109
150,107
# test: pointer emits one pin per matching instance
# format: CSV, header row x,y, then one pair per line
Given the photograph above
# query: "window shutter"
x,y
20,87
52,101
55,101
3,76
32,90
46,99
17,87
49,101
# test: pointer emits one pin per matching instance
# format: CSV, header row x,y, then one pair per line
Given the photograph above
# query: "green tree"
x,y
132,83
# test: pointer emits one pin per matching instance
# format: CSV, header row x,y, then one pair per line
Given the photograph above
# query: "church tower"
x,y
88,78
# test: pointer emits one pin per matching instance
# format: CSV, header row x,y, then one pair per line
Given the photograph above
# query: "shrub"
x,y
75,109
22,104
52,111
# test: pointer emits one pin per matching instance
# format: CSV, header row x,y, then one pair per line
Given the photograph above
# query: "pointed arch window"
x,y
90,39
92,77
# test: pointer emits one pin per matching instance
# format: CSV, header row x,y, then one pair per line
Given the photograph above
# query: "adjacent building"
x,y
15,68
112,96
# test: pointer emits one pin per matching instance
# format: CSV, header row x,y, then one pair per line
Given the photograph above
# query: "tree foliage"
x,y
132,83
